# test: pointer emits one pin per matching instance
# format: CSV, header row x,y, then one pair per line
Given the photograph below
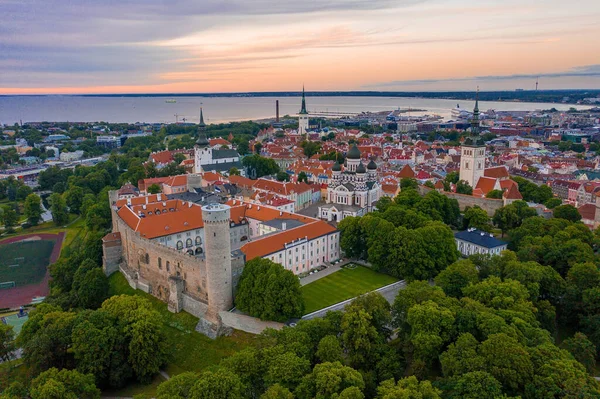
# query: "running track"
x,y
15,297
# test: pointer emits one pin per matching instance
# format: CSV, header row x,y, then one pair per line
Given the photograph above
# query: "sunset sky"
x,y
153,46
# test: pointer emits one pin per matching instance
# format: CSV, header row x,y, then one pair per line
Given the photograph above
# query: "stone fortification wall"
x,y
151,264
490,205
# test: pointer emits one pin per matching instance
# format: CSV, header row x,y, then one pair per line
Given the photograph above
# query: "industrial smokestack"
x,y
277,111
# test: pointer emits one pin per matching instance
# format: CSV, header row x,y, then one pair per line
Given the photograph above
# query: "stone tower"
x,y
472,163
303,116
218,268
475,124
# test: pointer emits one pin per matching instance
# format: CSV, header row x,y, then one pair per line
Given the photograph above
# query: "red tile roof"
x,y
406,172
498,172
486,184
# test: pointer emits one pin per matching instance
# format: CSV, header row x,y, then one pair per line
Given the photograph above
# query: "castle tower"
x,y
218,267
472,163
303,116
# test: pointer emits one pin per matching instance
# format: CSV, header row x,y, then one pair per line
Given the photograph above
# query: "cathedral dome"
x,y
354,153
372,165
337,167
361,168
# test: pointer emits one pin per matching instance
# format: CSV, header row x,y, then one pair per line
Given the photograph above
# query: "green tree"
x,y
64,384
286,369
353,241
328,380
10,218
310,148
462,187
258,166
234,172
276,392
33,209
568,212
452,177
154,189
177,387
477,218
359,337
93,289
553,203
409,183
302,177
283,176
329,349
409,387
221,384
582,349
507,361
431,326
268,291
496,194
74,199
58,208
457,276
7,342
475,385
243,147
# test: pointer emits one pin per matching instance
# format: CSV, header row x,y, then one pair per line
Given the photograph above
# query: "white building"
x,y
472,163
71,156
353,191
473,241
208,159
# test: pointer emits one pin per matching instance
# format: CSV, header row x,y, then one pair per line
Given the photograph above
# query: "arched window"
x,y
147,259
160,263
188,243
179,244
198,240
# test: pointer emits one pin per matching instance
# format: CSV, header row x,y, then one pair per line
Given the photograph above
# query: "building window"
x,y
147,259
179,244
198,240
168,266
189,243
160,263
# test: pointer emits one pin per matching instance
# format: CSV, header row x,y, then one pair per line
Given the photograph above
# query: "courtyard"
x,y
349,282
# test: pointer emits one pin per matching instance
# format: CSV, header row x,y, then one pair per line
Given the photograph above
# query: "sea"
x,y
152,109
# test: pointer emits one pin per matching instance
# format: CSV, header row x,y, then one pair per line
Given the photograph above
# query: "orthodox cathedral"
x,y
353,190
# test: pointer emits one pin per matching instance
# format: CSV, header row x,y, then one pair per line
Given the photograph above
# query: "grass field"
x,y
25,262
339,286
190,350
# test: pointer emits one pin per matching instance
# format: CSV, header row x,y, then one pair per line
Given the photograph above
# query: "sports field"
x,y
15,321
346,283
25,262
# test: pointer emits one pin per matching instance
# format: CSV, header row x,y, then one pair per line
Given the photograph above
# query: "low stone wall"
x,y
247,323
194,306
490,205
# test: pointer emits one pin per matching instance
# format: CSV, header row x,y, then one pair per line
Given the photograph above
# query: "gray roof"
x,y
278,223
200,197
479,238
222,167
224,153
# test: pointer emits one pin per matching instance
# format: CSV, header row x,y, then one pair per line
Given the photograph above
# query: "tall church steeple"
x,y
202,140
303,124
475,125
303,109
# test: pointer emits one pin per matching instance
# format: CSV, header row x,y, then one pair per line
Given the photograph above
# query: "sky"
x,y
191,46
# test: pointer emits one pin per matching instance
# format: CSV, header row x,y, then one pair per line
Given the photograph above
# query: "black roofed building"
x,y
208,159
473,241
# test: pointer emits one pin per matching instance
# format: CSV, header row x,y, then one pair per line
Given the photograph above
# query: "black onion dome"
x,y
361,168
372,165
337,167
354,153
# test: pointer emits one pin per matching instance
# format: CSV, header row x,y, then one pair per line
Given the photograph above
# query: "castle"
x,y
192,257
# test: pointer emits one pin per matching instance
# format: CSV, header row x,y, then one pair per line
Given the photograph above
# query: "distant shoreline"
x,y
526,96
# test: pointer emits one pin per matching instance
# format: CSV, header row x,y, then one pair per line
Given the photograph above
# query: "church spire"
x,y
475,121
201,124
303,109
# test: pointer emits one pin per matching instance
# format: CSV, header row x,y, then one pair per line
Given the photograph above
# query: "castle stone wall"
x,y
490,205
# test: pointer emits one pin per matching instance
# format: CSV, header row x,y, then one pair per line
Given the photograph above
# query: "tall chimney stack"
x,y
277,111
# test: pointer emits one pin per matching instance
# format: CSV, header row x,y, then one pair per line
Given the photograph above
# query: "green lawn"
x,y
25,262
344,284
190,351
